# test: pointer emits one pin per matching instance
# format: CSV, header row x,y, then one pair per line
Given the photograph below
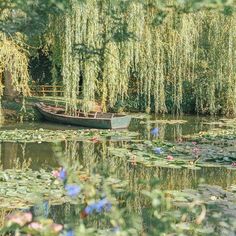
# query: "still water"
x,y
95,159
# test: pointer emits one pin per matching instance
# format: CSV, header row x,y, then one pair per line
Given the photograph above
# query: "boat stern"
x,y
120,122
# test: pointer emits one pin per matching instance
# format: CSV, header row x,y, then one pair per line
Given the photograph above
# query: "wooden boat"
x,y
93,119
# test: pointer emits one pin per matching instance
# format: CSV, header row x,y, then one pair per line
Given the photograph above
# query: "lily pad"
x,y
20,188
44,135
169,122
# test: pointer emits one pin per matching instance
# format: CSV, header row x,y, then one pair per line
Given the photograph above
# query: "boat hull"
x,y
100,123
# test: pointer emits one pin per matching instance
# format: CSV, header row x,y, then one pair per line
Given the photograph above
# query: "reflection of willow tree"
x,y
95,158
82,153
178,179
13,156
9,155
177,132
174,61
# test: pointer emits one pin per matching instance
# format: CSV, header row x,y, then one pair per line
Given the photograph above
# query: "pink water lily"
x,y
20,218
94,140
60,174
196,151
233,164
170,158
55,173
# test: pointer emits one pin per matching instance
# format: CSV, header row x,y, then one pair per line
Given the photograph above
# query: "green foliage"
x,y
28,17
168,58
182,58
139,205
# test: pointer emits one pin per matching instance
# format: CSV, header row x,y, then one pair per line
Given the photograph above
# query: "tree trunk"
x,y
9,92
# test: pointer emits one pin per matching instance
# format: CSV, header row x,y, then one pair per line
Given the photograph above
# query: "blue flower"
x,y
70,233
90,208
62,174
157,150
99,206
72,190
155,132
103,204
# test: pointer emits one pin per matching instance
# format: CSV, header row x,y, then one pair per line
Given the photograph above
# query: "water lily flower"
x,y
233,164
196,151
55,173
213,198
94,140
60,174
194,143
20,218
170,158
72,190
155,132
157,150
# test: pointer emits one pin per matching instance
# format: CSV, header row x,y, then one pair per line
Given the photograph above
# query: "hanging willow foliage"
x,y
14,61
169,59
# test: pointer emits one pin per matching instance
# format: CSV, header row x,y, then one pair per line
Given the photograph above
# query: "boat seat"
x,y
60,111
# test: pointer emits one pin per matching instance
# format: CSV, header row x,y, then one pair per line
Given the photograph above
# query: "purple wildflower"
x,y
103,204
90,208
99,206
62,174
70,233
72,190
157,150
155,132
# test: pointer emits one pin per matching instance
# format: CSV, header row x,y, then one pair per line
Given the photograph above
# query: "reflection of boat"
x,y
92,119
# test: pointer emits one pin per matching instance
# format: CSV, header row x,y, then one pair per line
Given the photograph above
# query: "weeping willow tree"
x,y
171,59
13,62
14,65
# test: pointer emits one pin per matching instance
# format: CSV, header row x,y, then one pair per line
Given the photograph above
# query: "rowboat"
x,y
92,119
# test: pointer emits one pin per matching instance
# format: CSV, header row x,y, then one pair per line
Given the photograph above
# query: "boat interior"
x,y
61,111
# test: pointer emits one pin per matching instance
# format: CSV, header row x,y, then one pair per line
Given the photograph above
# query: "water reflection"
x,y
94,158
38,155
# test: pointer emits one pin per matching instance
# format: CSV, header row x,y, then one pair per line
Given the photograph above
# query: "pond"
x,y
94,155
97,156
